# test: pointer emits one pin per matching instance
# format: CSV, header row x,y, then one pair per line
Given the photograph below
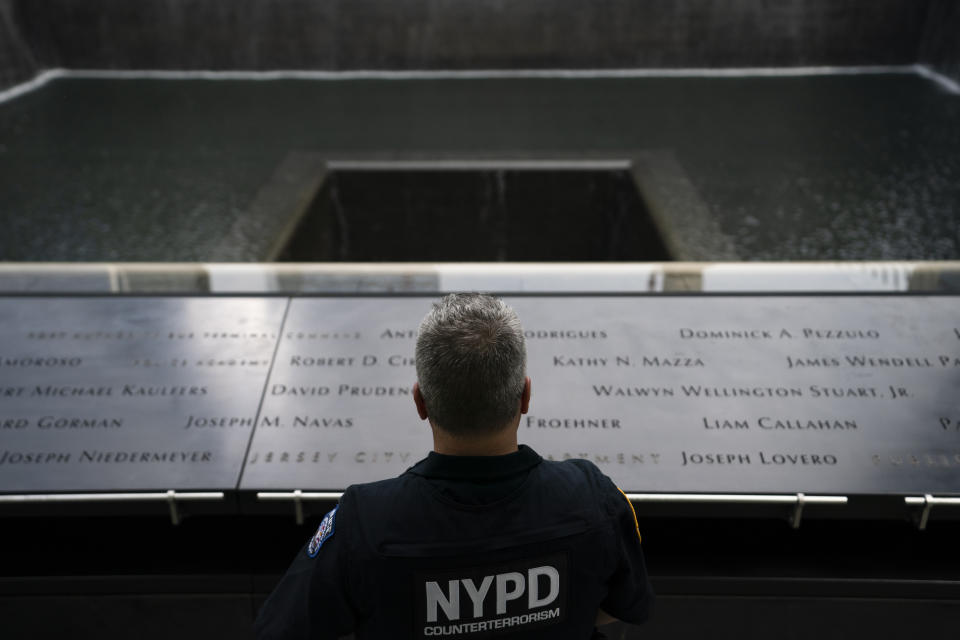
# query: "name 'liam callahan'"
x,y
780,424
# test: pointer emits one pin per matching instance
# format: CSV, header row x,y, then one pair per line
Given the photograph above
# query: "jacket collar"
x,y
438,465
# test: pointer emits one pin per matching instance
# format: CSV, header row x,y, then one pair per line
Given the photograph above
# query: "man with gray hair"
x,y
471,374
481,538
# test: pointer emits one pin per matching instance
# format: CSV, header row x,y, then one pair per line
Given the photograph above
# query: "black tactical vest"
x,y
536,563
464,548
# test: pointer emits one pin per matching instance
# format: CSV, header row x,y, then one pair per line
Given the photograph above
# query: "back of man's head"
x,y
471,364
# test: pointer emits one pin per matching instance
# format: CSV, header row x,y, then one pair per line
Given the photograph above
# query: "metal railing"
x,y
170,497
799,500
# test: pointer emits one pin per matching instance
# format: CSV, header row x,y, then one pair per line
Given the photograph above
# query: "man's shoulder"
x,y
380,490
367,507
379,499
580,477
576,469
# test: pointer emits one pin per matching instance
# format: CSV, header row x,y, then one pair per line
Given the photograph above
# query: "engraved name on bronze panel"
x,y
765,394
118,394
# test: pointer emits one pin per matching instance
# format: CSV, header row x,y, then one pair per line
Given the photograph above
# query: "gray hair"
x,y
471,363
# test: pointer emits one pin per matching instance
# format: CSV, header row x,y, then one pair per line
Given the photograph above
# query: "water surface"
x,y
859,167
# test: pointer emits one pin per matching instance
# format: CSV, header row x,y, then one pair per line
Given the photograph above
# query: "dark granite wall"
x,y
455,34
16,60
941,42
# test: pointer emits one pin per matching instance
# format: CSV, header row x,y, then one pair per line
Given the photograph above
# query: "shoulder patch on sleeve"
x,y
324,531
632,512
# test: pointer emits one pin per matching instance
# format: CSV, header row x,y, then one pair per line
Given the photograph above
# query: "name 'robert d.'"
x,y
368,360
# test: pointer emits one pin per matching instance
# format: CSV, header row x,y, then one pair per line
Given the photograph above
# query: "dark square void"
x,y
483,216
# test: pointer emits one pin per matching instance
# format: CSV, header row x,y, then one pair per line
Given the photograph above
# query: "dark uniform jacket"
x,y
468,547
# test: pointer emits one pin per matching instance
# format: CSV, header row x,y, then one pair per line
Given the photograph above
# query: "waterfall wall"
x,y
479,34
17,63
940,47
